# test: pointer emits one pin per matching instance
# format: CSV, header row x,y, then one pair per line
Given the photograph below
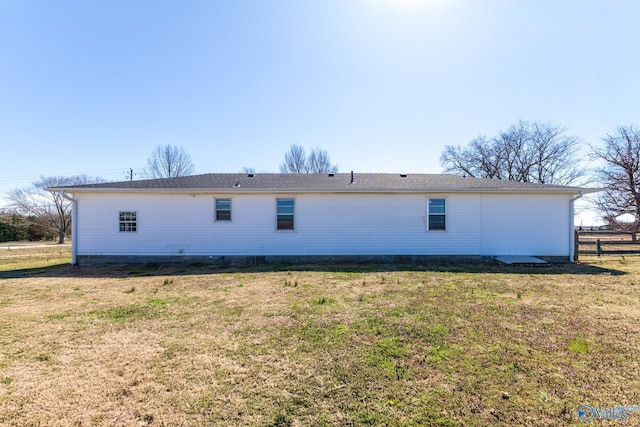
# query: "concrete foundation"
x,y
288,259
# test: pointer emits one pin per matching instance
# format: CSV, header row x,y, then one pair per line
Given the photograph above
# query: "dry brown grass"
x,y
452,345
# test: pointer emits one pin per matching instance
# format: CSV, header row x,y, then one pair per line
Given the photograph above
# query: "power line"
x,y
124,173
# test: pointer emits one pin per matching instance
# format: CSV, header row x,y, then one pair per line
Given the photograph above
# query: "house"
x,y
370,217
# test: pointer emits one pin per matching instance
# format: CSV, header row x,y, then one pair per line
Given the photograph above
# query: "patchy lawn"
x,y
323,345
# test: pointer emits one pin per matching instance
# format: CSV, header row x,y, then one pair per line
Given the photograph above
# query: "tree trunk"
x,y
61,237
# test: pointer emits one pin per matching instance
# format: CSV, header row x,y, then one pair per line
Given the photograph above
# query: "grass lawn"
x,y
325,345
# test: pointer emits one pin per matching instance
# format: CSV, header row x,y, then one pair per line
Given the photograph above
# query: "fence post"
x,y
576,245
599,248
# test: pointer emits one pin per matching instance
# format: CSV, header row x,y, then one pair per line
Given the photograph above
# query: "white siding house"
x,y
263,217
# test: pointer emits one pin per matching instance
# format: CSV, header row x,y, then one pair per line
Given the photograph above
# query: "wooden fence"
x,y
600,243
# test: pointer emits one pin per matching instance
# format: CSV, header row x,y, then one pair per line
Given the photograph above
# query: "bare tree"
x,y
296,161
248,169
168,161
526,152
555,155
319,162
619,175
479,159
49,207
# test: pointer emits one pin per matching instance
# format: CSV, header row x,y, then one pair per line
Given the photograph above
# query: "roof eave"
x,y
241,190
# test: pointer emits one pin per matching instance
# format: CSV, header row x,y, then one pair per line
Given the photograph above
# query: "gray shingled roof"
x,y
339,182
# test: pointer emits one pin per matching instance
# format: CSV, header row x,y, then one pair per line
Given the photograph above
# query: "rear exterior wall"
x,y
324,224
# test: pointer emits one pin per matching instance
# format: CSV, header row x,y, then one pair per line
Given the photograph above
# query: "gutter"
x,y
336,190
74,227
572,234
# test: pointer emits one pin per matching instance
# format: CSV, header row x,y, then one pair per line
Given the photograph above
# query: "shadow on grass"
x,y
46,271
152,269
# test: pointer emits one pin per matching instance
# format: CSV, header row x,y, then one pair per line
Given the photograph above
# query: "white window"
x,y
285,211
223,209
437,214
128,221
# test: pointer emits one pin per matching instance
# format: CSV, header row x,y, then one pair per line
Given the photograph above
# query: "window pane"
x,y
437,222
285,222
285,202
223,204
127,221
437,206
285,206
223,209
285,211
223,215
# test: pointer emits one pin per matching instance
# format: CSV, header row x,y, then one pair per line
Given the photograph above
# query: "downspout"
x,y
572,233
74,227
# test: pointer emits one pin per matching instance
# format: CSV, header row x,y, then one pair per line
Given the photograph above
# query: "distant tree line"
x,y
15,227
51,208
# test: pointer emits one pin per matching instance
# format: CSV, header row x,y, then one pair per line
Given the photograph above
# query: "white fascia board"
x,y
567,190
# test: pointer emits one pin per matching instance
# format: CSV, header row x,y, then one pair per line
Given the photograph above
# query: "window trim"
x,y
127,221
215,209
293,215
445,214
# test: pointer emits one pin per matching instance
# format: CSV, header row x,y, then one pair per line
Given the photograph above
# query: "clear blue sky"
x,y
383,85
